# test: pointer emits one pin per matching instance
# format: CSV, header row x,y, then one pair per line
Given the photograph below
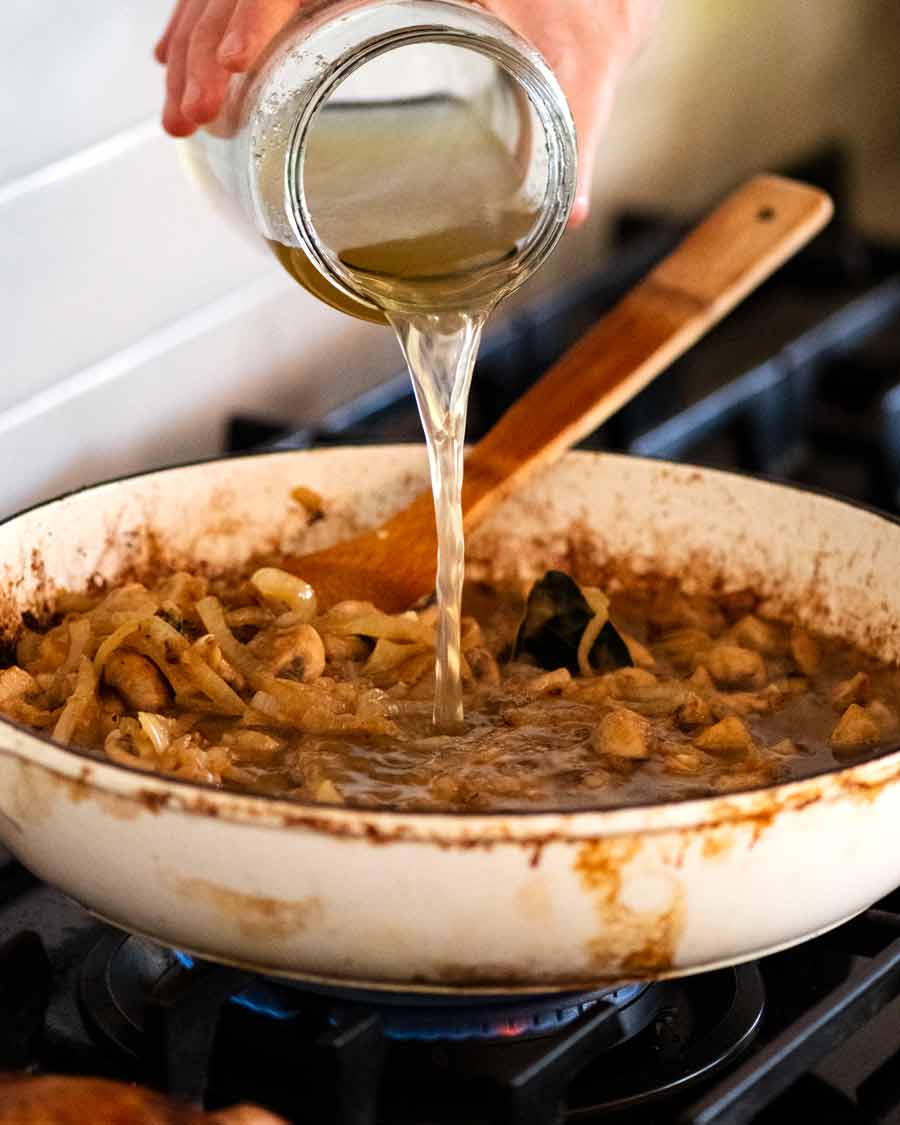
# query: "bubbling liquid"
x,y
435,251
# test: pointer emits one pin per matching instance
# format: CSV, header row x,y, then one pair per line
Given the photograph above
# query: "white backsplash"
x,y
135,318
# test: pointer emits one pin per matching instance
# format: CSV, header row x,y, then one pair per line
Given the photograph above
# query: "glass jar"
x,y
401,74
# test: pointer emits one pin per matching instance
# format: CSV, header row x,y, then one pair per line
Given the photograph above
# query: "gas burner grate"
x,y
518,1055
628,1008
437,1019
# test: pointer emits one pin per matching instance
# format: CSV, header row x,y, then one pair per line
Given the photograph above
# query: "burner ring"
x,y
120,973
498,1019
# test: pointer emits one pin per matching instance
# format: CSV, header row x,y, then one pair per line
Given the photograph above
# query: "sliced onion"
x,y
285,592
156,729
211,684
77,703
599,603
113,641
79,635
239,656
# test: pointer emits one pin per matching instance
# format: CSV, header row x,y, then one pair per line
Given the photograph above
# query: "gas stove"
x,y
810,1032
801,383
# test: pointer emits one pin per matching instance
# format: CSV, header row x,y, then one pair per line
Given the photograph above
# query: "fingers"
x,y
161,49
206,79
252,26
204,42
174,120
591,101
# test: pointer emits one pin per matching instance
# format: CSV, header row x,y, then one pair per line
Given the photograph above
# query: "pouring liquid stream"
x,y
440,351
435,251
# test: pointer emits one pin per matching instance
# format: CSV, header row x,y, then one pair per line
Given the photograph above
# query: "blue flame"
x,y
274,1001
257,997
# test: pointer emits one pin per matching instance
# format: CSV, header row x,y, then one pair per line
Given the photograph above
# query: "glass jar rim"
x,y
518,59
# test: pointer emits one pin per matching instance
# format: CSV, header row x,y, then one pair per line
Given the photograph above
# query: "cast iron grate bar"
x,y
25,976
535,1080
183,1018
356,1051
757,1082
842,331
15,880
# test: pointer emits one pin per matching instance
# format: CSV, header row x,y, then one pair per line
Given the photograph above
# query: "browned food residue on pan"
x,y
629,942
256,916
717,842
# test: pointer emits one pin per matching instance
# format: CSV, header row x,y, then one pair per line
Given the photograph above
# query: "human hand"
x,y
588,43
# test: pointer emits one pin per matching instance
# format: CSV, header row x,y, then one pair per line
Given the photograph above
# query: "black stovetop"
x,y
802,382
813,1032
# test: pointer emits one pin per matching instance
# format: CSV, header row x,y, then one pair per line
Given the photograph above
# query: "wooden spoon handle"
x,y
744,240
748,236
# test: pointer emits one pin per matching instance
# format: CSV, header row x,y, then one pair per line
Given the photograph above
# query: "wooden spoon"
x,y
745,239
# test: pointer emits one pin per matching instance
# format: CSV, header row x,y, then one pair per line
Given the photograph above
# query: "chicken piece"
x,y
15,682
791,685
549,682
684,648
640,691
673,610
733,666
746,702
470,634
251,745
694,711
444,788
883,717
53,1100
701,681
137,680
854,690
786,748
685,763
328,793
856,730
625,682
805,652
757,635
296,652
43,652
340,650
728,738
483,665
622,734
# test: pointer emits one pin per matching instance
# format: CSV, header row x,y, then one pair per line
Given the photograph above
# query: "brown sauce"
x,y
244,684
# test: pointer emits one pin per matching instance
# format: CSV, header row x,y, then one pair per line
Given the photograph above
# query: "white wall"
x,y
133,318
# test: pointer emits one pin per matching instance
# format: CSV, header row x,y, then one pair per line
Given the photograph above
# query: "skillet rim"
x,y
239,806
